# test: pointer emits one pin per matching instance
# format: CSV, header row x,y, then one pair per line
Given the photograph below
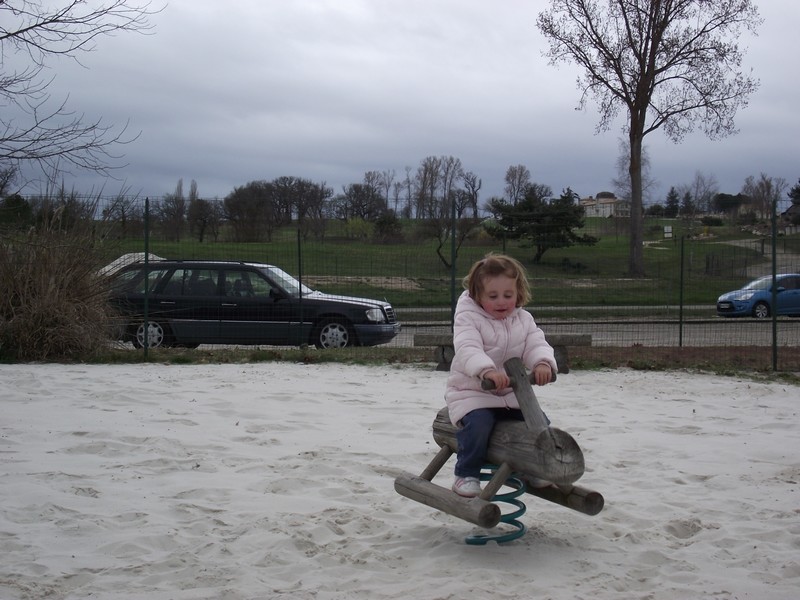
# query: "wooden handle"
x,y
488,384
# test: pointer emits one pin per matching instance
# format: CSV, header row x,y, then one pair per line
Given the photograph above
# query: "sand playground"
x,y
274,480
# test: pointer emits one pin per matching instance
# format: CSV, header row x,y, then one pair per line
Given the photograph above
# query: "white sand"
x,y
277,481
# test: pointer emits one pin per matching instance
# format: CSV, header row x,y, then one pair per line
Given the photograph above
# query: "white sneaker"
x,y
469,487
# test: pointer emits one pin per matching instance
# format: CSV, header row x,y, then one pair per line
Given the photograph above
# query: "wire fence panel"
x,y
575,289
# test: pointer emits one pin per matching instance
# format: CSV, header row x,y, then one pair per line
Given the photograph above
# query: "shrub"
x,y
711,221
53,301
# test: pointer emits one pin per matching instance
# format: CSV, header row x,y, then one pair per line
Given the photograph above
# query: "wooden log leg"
x,y
445,452
420,489
574,497
474,510
496,482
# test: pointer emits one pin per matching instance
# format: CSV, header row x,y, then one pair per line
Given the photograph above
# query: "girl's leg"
x,y
473,439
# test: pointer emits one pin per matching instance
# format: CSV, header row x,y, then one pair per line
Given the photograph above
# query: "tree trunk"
x,y
636,258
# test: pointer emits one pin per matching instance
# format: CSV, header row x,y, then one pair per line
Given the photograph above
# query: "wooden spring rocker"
x,y
522,453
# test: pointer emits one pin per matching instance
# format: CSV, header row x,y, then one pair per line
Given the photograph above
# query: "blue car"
x,y
755,299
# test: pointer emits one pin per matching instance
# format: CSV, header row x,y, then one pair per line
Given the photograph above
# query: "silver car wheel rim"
x,y
334,335
155,335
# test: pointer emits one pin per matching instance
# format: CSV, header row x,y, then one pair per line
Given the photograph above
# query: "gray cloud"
x,y
225,93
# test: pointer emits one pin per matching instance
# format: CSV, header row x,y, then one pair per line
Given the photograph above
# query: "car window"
x,y
133,280
284,281
246,284
174,287
790,283
262,287
199,282
238,285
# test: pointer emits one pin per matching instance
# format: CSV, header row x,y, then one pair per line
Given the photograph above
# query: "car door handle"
x,y
231,304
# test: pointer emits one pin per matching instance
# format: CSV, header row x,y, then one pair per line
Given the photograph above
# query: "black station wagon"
x,y
191,302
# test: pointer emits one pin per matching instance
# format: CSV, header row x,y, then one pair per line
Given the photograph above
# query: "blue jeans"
x,y
473,437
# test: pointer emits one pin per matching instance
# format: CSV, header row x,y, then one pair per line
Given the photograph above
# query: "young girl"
x,y
489,328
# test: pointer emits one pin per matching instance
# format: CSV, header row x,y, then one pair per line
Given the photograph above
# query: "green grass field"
x,y
695,265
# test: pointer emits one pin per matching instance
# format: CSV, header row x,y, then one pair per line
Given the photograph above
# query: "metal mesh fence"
x,y
576,290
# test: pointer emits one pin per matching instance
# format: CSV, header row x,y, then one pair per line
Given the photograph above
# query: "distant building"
x,y
790,218
605,204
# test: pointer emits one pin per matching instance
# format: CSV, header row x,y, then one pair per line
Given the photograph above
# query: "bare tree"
x,y
252,211
193,191
317,209
518,178
397,192
198,216
704,188
763,193
171,212
205,217
671,64
7,177
472,185
452,174
373,182
428,182
310,203
387,179
33,33
359,201
125,213
408,185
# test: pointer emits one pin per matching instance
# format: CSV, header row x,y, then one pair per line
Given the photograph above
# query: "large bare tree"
x,y
33,34
518,178
670,64
622,182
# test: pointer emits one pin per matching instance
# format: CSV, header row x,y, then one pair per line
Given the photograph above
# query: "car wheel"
x,y
156,335
333,333
761,310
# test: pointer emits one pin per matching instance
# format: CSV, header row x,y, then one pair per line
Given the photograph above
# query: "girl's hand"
x,y
542,374
500,379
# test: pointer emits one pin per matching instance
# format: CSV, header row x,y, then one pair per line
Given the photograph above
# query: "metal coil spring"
x,y
512,518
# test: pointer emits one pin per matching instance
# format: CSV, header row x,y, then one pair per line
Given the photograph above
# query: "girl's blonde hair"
x,y
493,265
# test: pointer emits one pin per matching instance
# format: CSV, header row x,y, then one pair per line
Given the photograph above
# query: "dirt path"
x,y
786,262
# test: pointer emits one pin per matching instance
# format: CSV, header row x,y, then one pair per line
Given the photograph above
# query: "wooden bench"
x,y
444,351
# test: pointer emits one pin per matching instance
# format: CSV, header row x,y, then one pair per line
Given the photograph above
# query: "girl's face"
x,y
499,296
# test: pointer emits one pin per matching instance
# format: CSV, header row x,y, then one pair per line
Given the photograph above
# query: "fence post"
x,y
774,285
300,280
453,264
680,297
145,323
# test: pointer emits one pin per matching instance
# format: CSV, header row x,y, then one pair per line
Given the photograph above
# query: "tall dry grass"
x,y
52,301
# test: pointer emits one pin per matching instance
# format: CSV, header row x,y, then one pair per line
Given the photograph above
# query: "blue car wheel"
x,y
761,310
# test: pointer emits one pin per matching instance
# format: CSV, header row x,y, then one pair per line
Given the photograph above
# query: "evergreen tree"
x,y
541,223
673,204
794,193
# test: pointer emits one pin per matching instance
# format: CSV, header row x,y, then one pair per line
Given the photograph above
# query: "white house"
x,y
605,204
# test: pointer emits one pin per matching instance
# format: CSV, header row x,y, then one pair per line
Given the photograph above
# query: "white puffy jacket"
x,y
483,343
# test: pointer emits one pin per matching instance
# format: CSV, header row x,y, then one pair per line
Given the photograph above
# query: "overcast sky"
x,y
229,92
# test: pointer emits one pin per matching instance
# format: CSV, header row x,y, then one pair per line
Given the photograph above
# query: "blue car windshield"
x,y
289,284
763,283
